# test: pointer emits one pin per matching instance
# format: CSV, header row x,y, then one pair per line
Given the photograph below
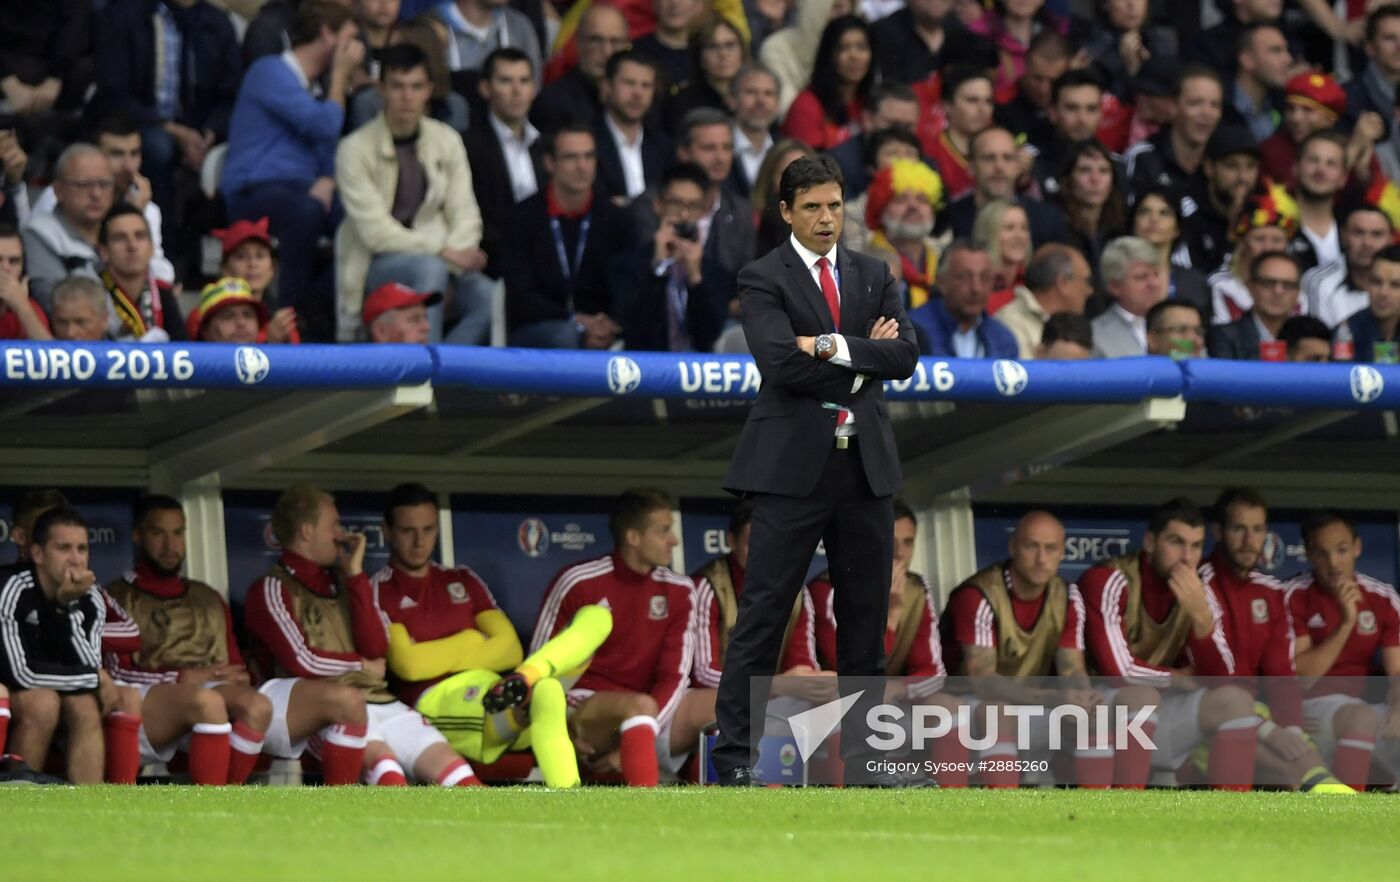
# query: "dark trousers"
x,y
858,528
297,222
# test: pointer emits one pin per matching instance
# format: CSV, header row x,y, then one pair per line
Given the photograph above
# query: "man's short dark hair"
x,y
1379,14
1390,254
149,505
1068,327
121,209
1198,72
313,15
683,171
740,516
10,231
1074,79
1304,327
807,172
1154,315
63,515
960,75
1245,40
1267,256
891,91
624,56
631,510
701,118
1049,44
876,141
33,502
406,496
976,139
504,55
403,58
1232,496
1319,520
902,511
1180,509
119,123
569,128
1328,135
1049,266
1363,208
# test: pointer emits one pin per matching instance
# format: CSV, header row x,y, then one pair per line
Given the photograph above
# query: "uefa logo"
x,y
1274,553
623,375
1367,384
1010,377
251,365
533,537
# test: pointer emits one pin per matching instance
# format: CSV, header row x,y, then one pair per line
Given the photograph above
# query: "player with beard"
x,y
188,667
1231,173
1321,175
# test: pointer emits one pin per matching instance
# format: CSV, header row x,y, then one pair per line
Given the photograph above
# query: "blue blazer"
x,y
935,327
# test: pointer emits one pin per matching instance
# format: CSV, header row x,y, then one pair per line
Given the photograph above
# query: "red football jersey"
x,y
925,658
1317,614
651,646
120,633
709,618
1259,634
442,603
1105,593
953,167
10,326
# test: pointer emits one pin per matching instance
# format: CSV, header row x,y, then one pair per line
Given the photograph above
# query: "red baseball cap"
x,y
245,231
391,296
1319,90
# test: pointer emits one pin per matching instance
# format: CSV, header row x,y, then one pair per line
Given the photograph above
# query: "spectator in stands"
x,y
1273,286
996,165
1076,108
1267,222
428,33
394,313
910,42
268,31
45,61
1335,291
1373,90
20,317
574,97
879,150
955,323
719,52
376,19
1231,170
173,67
1147,102
250,254
892,106
1058,281
792,52
556,260
1004,230
1217,47
1027,113
59,244
1157,219
631,157
1313,102
1380,321
14,190
1174,156
669,45
411,215
828,110
1321,176
1263,63
900,212
1130,272
52,612
479,27
1090,198
673,293
754,94
281,157
1121,39
1068,336
78,310
1010,25
1176,329
1308,339
144,309
772,229
968,102
230,312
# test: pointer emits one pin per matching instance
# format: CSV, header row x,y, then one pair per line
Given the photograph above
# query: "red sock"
x,y
1132,765
459,774
342,753
1232,752
1352,761
1093,768
639,767
4,720
121,737
998,765
245,746
951,761
209,753
387,773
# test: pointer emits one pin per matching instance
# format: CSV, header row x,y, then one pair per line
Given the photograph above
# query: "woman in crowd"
x,y
1003,228
1091,199
1010,25
1157,219
250,256
718,51
1119,40
772,229
828,111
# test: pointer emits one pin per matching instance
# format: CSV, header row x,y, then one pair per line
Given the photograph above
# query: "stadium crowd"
x,y
413,674
1045,178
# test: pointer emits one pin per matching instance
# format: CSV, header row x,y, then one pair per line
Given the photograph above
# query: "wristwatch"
x,y
825,347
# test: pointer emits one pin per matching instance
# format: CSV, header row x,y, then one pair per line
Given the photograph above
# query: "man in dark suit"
x,y
818,456
1273,283
631,157
506,153
574,96
995,168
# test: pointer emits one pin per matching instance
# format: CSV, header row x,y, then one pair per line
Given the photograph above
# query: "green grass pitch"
x,y
514,834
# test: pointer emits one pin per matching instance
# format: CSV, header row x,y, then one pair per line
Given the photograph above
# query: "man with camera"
x,y
669,294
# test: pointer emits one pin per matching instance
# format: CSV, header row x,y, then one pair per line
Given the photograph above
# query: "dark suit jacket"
x,y
491,182
571,98
536,289
639,302
1238,340
612,181
785,443
732,234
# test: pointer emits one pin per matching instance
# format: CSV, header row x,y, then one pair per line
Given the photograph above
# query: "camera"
x,y
687,230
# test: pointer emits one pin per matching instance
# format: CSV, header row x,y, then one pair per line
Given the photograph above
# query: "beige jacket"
x,y
791,53
366,174
1026,318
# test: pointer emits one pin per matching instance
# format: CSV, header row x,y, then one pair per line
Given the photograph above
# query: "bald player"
x,y
1018,619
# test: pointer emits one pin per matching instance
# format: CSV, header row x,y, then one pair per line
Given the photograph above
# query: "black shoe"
x,y
890,781
13,770
741,776
512,690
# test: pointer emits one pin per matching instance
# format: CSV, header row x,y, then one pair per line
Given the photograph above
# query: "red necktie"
x,y
833,301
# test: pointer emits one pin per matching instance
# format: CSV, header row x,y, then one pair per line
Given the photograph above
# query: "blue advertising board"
x,y
108,513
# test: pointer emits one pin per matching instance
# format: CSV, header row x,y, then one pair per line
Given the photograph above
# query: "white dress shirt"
x,y
516,150
842,358
633,170
1136,323
750,157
